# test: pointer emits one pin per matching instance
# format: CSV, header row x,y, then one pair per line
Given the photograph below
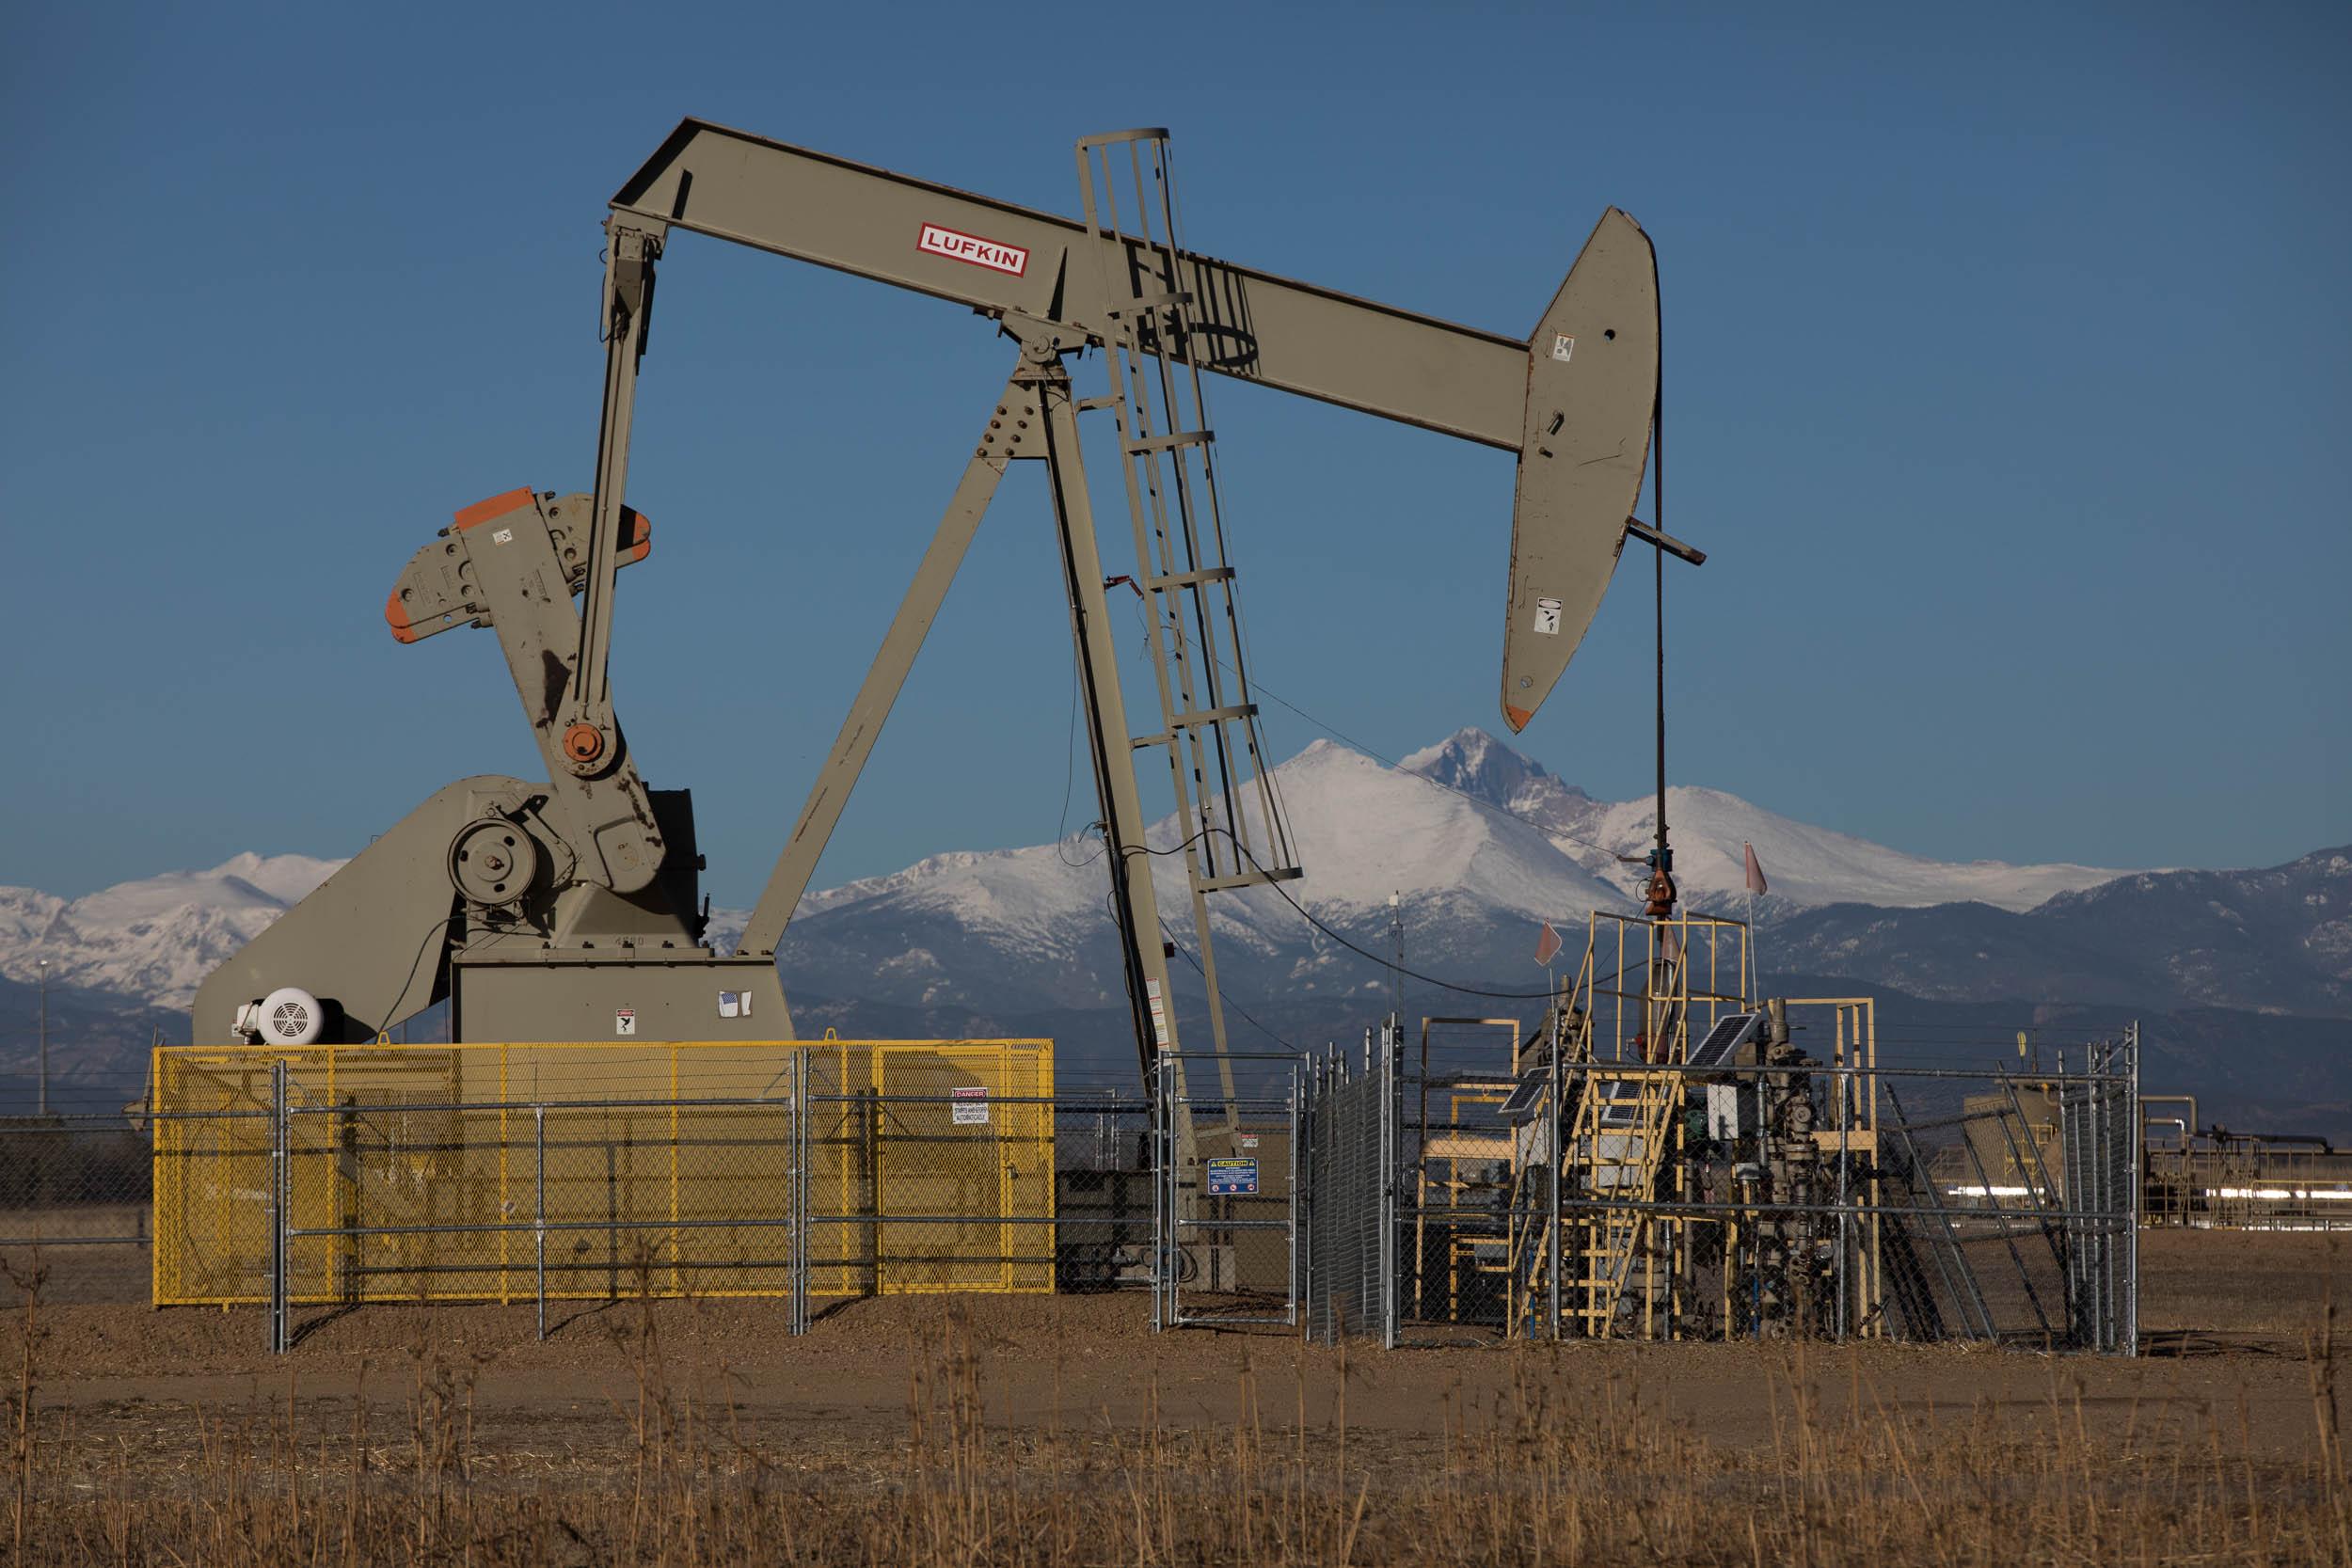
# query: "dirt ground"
x,y
2226,1319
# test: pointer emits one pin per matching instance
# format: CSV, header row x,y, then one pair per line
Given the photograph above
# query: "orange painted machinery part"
x,y
1662,895
583,743
396,617
497,506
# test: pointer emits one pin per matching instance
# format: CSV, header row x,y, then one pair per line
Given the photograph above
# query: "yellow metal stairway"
x,y
1623,1135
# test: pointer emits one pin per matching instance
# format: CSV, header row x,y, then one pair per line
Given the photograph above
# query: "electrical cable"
x,y
393,1012
1389,964
1069,771
1186,954
1179,849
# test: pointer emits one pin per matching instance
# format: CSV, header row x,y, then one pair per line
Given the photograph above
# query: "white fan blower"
x,y
287,1016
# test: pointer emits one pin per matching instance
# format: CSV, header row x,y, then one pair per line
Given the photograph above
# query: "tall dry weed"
x,y
1563,1458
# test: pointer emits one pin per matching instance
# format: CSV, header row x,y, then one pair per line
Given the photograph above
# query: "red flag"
x,y
1547,944
1755,871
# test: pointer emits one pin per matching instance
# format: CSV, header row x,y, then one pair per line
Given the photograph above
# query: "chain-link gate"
x,y
2099,1118
1474,1183
1351,1265
923,1176
1228,1193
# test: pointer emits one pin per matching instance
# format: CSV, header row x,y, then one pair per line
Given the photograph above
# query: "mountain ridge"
x,y
1476,843
1500,834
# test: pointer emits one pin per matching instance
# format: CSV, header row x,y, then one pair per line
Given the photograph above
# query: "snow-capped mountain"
x,y
1029,927
1476,843
1474,840
153,939
1806,867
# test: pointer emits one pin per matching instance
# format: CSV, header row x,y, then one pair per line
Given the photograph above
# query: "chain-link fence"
x,y
805,1172
1411,1191
2216,1180
1757,1193
1105,1188
75,1194
1229,1155
1473,1188
920,1178
1351,1224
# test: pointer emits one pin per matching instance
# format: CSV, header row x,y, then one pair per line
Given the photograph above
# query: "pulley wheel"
x,y
493,862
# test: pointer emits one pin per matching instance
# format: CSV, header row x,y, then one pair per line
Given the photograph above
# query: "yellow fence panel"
x,y
661,1168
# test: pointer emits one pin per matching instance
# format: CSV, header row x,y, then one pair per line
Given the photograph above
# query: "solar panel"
x,y
1731,1032
1520,1106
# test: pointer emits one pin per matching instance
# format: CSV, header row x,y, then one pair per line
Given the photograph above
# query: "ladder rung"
x,y
1189,580
1200,718
1115,138
1087,405
1251,878
1154,302
1165,443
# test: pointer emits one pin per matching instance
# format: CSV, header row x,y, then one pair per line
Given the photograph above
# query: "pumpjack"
x,y
568,907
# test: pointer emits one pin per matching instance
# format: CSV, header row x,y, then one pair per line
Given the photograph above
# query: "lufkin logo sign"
x,y
973,250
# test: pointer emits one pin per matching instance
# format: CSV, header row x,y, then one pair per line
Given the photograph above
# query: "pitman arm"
x,y
1574,400
512,562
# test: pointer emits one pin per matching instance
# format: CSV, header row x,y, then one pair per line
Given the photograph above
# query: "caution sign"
x,y
1233,1177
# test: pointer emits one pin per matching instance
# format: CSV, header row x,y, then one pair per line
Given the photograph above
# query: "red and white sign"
x,y
971,249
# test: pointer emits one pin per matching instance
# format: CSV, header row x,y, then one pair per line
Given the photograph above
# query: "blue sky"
x,y
2006,367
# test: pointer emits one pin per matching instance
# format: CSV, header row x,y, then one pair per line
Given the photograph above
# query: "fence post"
x,y
279,1190
613,1220
2136,1130
1556,1156
1302,1189
1291,1313
1152,1175
346,1201
867,1191
1159,1195
539,1121
796,1195
1392,1168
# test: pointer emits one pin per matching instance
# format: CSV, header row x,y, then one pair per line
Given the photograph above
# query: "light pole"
x,y
44,1036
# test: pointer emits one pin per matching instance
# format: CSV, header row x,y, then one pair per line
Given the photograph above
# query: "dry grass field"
x,y
1059,1429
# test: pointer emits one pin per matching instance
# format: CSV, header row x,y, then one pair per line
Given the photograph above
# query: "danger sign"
x,y
1233,1177
959,246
